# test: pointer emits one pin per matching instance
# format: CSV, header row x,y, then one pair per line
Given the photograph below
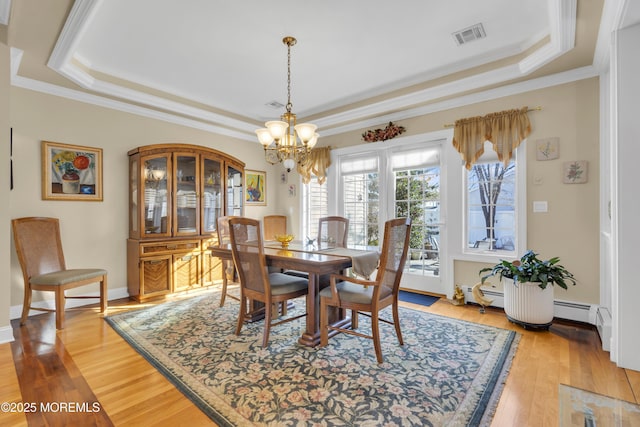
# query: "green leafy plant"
x,y
531,269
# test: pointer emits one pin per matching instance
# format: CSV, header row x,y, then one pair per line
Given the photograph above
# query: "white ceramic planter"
x,y
528,305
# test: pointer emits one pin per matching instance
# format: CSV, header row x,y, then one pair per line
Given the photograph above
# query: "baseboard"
x,y
576,311
16,311
6,334
603,324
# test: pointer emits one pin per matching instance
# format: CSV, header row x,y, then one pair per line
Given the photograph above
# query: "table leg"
x,y
311,336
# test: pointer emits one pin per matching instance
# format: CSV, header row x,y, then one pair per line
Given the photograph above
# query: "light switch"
x,y
540,206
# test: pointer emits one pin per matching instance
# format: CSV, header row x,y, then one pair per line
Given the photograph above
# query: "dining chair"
x,y
256,283
369,297
228,268
333,230
39,248
273,225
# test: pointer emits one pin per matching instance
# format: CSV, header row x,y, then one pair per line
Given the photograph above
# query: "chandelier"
x,y
283,140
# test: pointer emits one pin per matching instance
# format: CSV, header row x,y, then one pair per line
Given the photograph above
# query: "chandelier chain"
x,y
289,105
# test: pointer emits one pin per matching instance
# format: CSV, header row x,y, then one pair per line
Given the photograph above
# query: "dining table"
x,y
316,260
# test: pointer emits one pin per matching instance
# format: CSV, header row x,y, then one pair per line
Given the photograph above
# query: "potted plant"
x,y
528,299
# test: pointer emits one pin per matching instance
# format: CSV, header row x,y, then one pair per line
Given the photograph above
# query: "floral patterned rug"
x,y
449,372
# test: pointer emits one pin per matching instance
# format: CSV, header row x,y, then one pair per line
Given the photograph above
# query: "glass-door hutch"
x,y
177,192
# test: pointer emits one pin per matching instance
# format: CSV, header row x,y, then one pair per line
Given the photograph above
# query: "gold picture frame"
x,y
71,172
255,187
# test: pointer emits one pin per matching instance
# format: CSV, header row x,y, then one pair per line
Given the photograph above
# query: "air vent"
x,y
469,34
275,105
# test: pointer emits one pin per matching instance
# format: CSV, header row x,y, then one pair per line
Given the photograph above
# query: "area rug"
x,y
448,373
416,298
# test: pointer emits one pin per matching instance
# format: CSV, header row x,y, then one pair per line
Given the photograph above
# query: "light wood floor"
x,y
88,362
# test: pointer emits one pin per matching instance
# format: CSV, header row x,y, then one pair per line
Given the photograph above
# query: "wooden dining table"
x,y
312,260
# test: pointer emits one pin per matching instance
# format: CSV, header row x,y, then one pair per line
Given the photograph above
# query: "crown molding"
x,y
562,40
475,98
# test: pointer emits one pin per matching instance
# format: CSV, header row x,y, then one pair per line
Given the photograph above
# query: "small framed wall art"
x,y
71,172
547,149
575,172
255,184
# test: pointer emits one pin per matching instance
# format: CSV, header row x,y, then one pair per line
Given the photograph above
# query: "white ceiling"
x,y
218,63
230,54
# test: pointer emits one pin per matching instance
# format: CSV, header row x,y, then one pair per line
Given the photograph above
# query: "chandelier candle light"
x,y
284,140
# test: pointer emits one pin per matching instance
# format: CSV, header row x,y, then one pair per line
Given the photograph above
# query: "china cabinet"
x,y
176,194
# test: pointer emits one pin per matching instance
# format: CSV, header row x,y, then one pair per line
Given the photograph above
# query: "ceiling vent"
x,y
469,34
275,105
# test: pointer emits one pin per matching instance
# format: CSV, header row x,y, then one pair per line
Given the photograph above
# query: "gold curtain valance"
x,y
317,164
505,130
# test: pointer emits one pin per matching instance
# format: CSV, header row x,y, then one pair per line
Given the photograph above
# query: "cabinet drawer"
x,y
181,245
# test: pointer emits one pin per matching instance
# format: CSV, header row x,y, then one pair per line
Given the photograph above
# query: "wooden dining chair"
x,y
255,282
368,297
273,225
228,268
333,230
39,249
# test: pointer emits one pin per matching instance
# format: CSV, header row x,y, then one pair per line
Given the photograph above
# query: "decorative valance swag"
x,y
317,164
505,130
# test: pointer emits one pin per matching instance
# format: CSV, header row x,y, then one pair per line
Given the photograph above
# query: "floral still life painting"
x,y
575,172
71,172
255,187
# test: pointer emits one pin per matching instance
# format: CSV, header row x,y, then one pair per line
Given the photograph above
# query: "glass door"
x,y
186,171
155,196
211,194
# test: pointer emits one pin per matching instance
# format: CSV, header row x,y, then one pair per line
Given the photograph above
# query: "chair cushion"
x,y
67,276
350,292
284,284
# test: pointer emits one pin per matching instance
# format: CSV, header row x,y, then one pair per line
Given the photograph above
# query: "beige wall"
x,y
570,228
95,233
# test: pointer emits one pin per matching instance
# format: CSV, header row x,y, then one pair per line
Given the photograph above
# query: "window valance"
x,y
317,164
505,130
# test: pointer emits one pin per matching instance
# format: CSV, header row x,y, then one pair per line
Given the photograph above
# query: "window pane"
x,y
314,207
418,197
361,195
491,207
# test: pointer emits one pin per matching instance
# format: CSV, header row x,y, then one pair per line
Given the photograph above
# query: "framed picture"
x,y
547,149
71,172
575,172
255,187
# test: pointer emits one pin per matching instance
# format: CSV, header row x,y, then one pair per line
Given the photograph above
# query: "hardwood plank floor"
x,y
88,363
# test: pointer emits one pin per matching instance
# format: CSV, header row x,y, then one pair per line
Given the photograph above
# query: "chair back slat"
x,y
333,230
248,254
38,245
394,253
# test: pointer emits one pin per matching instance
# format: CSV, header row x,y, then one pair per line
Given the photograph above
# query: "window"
x,y
361,200
417,195
492,209
314,206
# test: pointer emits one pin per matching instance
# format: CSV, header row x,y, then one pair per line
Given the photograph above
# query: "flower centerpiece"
x,y
528,299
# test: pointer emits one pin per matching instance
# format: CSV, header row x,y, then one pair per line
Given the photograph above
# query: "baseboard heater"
x,y
578,312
